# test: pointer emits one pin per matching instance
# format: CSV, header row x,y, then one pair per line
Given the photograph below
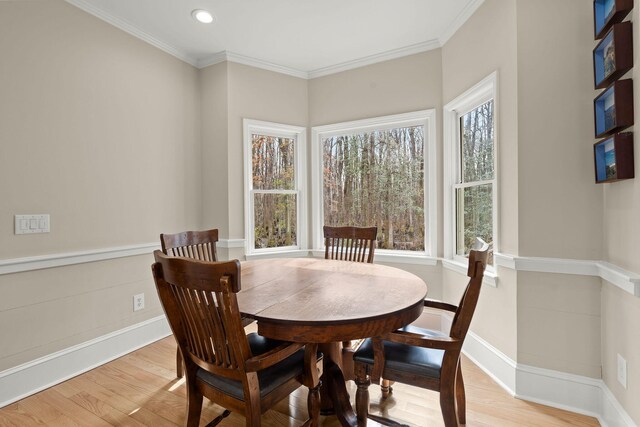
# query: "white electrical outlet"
x,y
138,302
622,371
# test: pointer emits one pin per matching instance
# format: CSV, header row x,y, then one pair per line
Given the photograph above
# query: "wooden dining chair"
x,y
423,358
350,243
199,245
245,373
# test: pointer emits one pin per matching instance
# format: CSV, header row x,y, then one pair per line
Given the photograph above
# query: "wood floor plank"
x,y
120,403
104,410
15,415
141,389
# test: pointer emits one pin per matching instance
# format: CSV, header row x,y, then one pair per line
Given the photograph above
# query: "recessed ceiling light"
x,y
202,16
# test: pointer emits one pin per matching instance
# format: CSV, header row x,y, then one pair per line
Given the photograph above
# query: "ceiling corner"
x,y
460,20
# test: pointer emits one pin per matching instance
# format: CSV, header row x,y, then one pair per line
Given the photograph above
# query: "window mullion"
x,y
275,191
473,184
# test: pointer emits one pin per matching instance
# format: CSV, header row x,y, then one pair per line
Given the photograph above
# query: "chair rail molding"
x,y
17,265
231,243
623,279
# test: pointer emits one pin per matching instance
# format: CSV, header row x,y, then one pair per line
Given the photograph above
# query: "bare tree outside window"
x,y
377,178
474,193
274,194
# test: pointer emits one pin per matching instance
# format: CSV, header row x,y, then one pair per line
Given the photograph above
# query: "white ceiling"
x,y
301,37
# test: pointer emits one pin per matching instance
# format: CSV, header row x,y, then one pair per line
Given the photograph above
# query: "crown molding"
x,y
373,59
222,56
214,59
253,62
131,29
460,20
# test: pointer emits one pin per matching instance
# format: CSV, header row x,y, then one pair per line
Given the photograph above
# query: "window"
x,y
470,172
378,172
275,218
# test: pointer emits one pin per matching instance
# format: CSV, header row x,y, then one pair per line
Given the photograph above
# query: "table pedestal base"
x,y
334,398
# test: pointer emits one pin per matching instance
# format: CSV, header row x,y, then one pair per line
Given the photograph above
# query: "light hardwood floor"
x,y
141,389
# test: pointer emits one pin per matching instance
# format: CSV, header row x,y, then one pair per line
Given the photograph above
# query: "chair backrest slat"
x,y
200,245
469,300
350,243
199,298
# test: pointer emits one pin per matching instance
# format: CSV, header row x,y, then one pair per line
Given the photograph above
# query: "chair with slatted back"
x,y
244,373
199,245
350,243
191,244
421,357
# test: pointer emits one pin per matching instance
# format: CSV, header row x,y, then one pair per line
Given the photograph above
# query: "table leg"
x,y
334,397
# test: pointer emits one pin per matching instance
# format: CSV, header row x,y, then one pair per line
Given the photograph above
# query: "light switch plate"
x,y
30,224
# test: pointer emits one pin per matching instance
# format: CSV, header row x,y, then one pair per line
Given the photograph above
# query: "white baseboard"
x,y
492,361
561,390
573,393
552,388
612,414
29,378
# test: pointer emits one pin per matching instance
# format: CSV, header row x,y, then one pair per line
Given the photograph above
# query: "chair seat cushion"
x,y
269,378
425,362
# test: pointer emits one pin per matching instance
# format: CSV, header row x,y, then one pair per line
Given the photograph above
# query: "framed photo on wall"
x,y
606,13
613,56
613,108
613,158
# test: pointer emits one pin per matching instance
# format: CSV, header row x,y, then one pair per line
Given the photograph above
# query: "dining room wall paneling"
x,y
560,211
621,311
622,201
484,44
215,167
101,131
559,322
410,83
495,318
620,317
256,94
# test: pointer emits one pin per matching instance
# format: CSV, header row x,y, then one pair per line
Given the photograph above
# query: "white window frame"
x,y
299,134
425,118
482,92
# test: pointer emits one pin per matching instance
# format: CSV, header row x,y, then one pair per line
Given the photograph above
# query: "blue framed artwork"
x,y
613,108
609,12
613,158
613,56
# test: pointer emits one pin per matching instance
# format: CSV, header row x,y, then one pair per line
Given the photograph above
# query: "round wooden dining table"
x,y
310,300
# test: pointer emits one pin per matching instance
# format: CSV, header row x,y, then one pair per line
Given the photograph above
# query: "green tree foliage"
x,y
377,178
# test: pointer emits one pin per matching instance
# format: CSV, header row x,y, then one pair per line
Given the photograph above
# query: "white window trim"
x,y
480,93
287,131
426,118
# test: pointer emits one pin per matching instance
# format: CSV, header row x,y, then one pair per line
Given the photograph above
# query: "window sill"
x,y
490,277
403,258
295,253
